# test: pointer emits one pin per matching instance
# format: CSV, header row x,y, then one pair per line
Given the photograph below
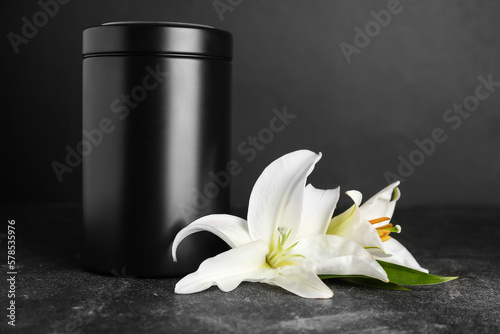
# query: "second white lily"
x,y
283,242
370,224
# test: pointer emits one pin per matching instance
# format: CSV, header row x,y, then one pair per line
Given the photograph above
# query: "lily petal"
x,y
302,282
227,270
356,196
350,225
400,255
317,210
277,196
341,224
380,204
233,230
334,255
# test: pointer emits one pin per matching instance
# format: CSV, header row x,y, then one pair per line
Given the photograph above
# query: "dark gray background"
x,y
362,116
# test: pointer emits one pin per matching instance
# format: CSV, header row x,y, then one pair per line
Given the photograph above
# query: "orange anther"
x,y
384,235
379,220
385,226
387,237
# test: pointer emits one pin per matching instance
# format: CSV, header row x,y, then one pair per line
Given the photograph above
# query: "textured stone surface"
x,y
55,296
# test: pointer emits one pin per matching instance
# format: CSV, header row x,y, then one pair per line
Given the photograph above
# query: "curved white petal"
x,y
277,196
350,225
227,270
364,234
378,253
400,255
233,230
381,204
304,283
356,196
342,224
334,255
317,210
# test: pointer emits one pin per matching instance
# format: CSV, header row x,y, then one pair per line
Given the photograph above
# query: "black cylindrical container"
x,y
156,122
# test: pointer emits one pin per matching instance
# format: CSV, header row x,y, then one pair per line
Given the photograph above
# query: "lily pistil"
x,y
280,257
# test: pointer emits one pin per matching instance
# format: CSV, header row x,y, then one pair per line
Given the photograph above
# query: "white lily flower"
x,y
283,242
369,225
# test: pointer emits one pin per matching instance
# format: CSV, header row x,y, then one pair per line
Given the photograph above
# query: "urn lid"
x,y
167,38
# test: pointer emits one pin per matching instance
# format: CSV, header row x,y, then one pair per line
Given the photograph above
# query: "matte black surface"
x,y
157,127
57,296
157,37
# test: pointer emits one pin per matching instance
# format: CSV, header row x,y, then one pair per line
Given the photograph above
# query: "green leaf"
x,y
397,275
406,276
366,281
375,283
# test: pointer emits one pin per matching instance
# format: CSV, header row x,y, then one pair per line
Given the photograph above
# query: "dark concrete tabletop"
x,y
54,295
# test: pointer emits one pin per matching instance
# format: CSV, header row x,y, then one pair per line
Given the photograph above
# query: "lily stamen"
x,y
379,220
385,230
279,256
